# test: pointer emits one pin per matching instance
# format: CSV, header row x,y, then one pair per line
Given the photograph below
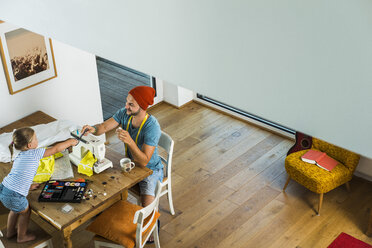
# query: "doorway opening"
x,y
115,81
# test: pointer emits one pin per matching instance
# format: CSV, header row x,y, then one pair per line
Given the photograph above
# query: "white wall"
x,y
303,64
184,96
177,95
364,168
73,95
170,93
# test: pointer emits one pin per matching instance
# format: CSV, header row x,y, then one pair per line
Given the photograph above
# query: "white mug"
x,y
126,164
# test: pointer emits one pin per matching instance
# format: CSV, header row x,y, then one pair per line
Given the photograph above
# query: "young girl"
x,y
16,185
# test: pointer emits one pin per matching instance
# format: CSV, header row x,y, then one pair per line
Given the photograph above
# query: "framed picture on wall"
x,y
27,57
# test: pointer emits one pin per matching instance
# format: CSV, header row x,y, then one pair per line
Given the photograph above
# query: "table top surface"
x,y
111,181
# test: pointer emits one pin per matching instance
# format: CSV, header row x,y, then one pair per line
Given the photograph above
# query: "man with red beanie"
x,y
140,133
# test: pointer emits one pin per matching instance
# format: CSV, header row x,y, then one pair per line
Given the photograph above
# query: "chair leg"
x,y
170,200
347,186
96,244
50,243
1,243
139,202
286,183
320,202
156,236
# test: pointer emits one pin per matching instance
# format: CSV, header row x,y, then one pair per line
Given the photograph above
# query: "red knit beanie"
x,y
144,96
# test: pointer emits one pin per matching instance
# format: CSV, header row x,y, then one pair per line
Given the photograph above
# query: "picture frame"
x,y
27,57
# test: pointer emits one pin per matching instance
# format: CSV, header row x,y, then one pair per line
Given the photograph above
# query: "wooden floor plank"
x,y
287,217
161,110
256,223
189,215
349,217
221,161
198,177
245,175
191,159
190,123
233,221
310,222
232,137
261,180
230,141
198,191
185,145
202,225
176,117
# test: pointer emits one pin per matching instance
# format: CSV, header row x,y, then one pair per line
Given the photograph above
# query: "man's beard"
x,y
135,113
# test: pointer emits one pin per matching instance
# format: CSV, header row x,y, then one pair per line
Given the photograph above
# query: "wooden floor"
x,y
227,182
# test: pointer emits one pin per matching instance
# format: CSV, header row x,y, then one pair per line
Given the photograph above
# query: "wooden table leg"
x,y
124,195
369,229
67,237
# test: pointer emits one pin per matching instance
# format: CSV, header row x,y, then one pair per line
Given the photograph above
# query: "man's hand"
x,y
124,136
34,186
90,129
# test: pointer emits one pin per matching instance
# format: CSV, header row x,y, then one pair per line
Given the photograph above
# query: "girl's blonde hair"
x,y
21,138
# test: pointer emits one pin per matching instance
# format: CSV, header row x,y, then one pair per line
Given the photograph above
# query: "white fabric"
x,y
47,134
62,167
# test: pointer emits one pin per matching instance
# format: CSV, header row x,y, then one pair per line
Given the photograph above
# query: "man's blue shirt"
x,y
149,135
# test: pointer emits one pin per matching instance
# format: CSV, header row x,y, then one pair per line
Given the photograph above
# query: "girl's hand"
x,y
73,142
34,186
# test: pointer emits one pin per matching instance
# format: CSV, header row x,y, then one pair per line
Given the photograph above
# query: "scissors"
x,y
79,137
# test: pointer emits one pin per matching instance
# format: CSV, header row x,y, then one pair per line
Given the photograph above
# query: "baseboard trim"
x,y
363,176
247,120
156,104
180,107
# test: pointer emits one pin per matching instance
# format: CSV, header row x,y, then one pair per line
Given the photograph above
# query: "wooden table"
x,y
116,183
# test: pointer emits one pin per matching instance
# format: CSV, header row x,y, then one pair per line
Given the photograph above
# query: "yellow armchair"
x,y
311,176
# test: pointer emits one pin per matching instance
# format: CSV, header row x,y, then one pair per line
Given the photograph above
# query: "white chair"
x,y
43,239
167,144
149,212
